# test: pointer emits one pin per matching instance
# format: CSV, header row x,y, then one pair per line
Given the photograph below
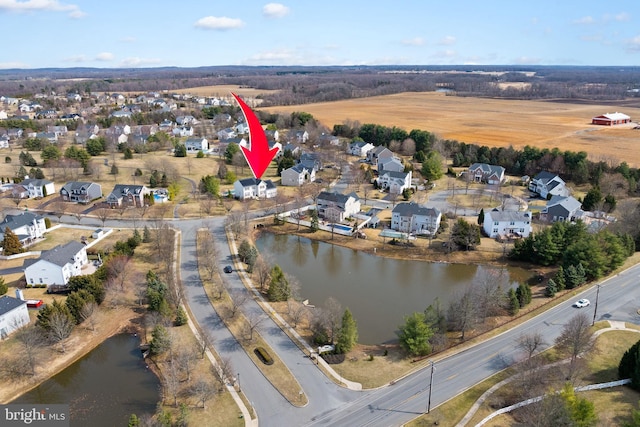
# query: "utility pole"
x,y
430,387
239,390
595,308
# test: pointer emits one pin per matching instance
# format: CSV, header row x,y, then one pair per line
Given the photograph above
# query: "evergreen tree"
x,y
551,289
514,303
243,250
560,279
11,243
160,340
181,317
314,220
128,153
279,289
571,277
146,235
180,151
3,286
629,366
481,217
133,421
48,310
114,169
76,301
348,333
415,335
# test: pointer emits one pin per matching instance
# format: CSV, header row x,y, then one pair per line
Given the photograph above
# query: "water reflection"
x,y
378,291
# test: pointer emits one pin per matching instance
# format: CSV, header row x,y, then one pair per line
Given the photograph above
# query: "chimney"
x,y
19,294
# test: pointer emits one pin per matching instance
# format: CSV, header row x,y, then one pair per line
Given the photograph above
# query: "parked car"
x,y
325,349
228,269
582,303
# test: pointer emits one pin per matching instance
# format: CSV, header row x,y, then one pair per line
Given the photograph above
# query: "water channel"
x,y
378,291
103,388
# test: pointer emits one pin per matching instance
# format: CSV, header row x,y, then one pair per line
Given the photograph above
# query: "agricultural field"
x,y
492,122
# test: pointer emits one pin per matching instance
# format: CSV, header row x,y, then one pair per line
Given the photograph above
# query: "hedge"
x,y
263,356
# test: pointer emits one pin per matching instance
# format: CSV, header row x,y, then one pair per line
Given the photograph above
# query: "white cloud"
x,y
218,23
138,62
104,56
275,10
633,45
76,58
127,39
416,41
447,41
622,17
40,5
585,20
15,64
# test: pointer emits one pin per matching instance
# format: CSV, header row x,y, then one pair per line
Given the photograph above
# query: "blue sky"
x,y
147,33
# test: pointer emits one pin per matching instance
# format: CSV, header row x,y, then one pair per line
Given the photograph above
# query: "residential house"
x,y
547,184
117,98
122,114
15,133
186,120
241,128
251,187
86,132
389,164
292,148
144,130
196,144
47,114
74,97
127,195
560,208
395,182
47,136
272,135
297,175
360,148
328,139
222,119
3,115
57,265
414,218
182,131
80,192
299,136
4,141
166,126
26,225
379,152
227,133
311,161
58,130
506,224
38,187
335,207
13,315
489,174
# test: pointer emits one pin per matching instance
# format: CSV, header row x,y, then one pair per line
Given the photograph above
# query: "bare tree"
x,y
60,208
118,269
185,358
88,315
60,327
31,341
462,312
238,299
103,215
223,371
254,320
204,391
489,286
172,381
208,254
262,272
575,339
297,312
207,203
408,147
333,317
530,343
204,341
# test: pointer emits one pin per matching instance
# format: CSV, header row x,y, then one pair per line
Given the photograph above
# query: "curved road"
x,y
329,404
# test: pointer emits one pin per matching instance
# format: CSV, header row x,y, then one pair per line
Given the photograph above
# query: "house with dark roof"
x,y
13,315
195,144
297,175
547,184
389,164
26,225
395,182
311,161
127,195
488,174
379,152
414,218
360,148
57,265
505,224
250,188
336,207
80,192
561,208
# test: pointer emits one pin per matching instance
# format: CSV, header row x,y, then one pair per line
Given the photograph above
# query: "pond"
x,y
378,291
103,388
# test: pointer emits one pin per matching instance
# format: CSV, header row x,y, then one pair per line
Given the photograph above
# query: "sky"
x,y
193,33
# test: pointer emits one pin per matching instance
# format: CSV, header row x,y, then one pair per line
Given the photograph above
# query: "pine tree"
x,y
551,289
314,221
514,304
3,286
279,289
11,243
181,317
160,341
146,235
481,217
348,333
559,279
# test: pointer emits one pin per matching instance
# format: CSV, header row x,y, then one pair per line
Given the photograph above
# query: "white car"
x,y
582,303
325,349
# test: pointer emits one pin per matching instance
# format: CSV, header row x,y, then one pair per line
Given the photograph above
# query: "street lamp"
x,y
595,308
430,387
239,390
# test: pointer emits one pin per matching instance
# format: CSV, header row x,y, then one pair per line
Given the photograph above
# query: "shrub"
x,y
7,159
47,223
263,356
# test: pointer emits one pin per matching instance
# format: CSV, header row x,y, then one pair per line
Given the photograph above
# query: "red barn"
x,y
611,119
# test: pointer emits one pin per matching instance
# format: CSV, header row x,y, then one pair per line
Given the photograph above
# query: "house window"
x,y
41,280
495,223
31,280
512,223
495,230
522,230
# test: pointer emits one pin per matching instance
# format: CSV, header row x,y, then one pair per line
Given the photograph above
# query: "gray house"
x,y
414,218
561,208
80,192
130,195
482,172
547,184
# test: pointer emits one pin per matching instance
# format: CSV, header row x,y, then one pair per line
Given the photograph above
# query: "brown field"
x,y
223,91
491,122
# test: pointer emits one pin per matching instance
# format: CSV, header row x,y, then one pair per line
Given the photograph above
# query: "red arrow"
x,y
258,155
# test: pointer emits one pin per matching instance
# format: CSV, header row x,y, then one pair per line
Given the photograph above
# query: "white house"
x,y
360,148
300,136
182,131
499,223
251,187
13,315
336,207
414,218
546,183
297,175
38,187
227,133
194,145
26,225
395,182
57,265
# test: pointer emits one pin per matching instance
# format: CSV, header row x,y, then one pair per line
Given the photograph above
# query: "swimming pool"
x,y
342,227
